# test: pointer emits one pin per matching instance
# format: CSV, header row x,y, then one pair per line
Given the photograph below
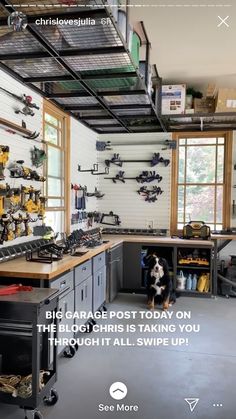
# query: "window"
x,y
56,137
201,181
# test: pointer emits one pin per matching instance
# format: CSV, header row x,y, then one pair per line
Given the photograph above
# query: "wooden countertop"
x,y
19,268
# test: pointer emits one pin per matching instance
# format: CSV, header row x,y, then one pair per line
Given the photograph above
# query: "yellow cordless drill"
x,y
4,156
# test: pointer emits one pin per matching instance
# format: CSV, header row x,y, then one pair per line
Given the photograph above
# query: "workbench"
x,y
20,268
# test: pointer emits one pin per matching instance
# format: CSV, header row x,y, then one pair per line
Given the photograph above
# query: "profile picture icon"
x,y
17,21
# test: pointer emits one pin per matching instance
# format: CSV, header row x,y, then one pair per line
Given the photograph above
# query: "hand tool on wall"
x,y
4,189
156,159
7,233
26,100
4,156
18,231
102,145
96,194
142,178
110,219
17,170
148,177
26,220
38,157
150,194
30,205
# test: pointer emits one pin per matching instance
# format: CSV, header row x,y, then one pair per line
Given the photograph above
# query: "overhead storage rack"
x,y
87,70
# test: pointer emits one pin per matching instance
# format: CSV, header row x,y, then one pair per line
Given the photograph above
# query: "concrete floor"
x,y
158,378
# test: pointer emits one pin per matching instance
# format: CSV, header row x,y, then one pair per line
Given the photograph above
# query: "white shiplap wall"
x,y
83,152
123,199
19,146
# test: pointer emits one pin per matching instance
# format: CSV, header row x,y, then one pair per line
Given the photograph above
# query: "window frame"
x,y
228,135
54,111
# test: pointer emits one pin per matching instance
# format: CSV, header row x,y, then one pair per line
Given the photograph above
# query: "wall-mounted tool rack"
x,y
144,177
156,159
13,128
94,171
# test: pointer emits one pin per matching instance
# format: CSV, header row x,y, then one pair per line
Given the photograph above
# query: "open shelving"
x,y
86,70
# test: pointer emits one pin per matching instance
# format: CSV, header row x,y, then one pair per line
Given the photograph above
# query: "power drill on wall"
x,y
4,156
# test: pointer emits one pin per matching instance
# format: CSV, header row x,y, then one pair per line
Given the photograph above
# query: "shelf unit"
x,y
171,254
87,70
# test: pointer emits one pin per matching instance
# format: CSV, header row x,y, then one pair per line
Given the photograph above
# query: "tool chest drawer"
x,y
64,282
82,272
99,261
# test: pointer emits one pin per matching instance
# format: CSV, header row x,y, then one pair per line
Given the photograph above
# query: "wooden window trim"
x,y
227,175
53,110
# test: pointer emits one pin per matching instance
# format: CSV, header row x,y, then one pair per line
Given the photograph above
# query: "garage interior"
x,y
117,143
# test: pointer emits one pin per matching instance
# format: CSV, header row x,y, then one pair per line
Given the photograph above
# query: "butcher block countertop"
x,y
19,268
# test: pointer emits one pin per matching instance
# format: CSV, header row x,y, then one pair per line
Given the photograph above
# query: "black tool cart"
x,y
28,363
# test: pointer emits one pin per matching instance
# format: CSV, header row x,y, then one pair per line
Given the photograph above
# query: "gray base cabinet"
x,y
83,289
115,274
65,284
99,281
83,298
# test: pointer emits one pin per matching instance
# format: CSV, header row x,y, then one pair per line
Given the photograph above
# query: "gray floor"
x,y
158,379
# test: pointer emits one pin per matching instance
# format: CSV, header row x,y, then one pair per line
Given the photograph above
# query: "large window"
x,y
201,181
56,137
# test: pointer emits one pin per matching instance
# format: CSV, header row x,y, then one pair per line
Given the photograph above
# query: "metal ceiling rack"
x,y
89,72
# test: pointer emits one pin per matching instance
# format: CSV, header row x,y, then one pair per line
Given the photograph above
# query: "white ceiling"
x,y
187,45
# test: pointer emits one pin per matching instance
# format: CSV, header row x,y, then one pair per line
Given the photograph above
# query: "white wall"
x,y
123,199
83,152
19,146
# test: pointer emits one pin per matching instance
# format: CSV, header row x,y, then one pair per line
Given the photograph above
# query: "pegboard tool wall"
x,y
122,198
19,147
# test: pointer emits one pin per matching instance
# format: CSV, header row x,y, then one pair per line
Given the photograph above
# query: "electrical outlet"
x,y
149,224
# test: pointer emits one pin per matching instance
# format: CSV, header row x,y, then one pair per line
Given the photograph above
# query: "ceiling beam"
x,y
103,94
64,53
41,79
118,107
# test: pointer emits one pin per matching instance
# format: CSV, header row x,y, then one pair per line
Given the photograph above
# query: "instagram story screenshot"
x,y
117,209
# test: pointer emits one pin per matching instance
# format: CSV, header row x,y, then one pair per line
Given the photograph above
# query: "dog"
x,y
159,283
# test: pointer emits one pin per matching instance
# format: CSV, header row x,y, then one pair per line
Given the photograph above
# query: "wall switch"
x,y
149,224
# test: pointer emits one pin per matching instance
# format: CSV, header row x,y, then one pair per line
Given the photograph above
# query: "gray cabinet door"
x,y
88,290
84,298
66,303
115,272
99,288
132,266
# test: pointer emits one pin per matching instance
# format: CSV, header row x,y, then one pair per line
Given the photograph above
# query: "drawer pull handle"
x,y
82,295
84,268
62,284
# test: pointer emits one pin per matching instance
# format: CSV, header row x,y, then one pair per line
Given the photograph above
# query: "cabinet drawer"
x,y
82,272
99,261
64,282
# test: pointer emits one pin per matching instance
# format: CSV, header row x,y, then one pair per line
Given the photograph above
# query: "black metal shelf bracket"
x,y
87,170
96,173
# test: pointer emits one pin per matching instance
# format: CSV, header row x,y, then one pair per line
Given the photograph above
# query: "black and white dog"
x,y
159,283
